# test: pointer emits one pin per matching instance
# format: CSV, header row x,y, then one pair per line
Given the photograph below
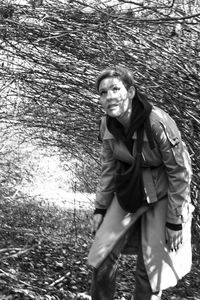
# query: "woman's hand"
x,y
174,239
97,220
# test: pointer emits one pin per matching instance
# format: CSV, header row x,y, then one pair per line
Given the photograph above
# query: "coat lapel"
x,y
120,151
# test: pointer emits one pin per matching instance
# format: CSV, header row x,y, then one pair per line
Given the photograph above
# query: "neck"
x,y
125,118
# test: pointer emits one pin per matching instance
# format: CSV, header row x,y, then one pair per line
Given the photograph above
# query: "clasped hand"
x,y
174,239
96,222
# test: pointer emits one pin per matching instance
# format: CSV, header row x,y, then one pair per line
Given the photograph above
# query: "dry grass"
x,y
43,255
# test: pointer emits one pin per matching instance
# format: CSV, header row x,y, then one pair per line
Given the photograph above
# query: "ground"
x,y
43,255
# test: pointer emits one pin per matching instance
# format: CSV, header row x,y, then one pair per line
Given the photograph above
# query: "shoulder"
x,y
158,115
161,121
104,133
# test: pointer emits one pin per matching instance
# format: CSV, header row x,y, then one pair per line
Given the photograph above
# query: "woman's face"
x,y
114,97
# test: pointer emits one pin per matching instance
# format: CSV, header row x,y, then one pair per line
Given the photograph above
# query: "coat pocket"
x,y
177,146
177,149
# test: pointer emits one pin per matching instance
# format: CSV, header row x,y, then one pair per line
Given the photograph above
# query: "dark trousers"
x,y
104,278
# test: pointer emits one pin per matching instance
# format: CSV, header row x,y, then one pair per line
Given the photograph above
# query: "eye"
x,y
116,89
102,93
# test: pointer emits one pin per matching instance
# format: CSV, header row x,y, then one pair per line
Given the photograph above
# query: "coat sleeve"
x,y
105,188
177,164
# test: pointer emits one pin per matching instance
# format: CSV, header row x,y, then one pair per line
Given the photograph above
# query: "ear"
x,y
131,92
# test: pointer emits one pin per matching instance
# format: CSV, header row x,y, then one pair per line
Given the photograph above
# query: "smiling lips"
x,y
112,106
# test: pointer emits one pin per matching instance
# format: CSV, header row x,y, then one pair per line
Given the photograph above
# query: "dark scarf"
x,y
128,180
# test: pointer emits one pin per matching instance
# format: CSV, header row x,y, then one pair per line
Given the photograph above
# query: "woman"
x,y
143,197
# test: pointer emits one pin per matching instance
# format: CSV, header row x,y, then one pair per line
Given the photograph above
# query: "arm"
x,y
105,189
178,170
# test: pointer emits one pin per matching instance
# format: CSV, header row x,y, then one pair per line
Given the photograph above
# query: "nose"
x,y
109,95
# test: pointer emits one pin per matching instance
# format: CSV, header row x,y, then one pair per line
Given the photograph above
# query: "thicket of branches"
x,y
51,52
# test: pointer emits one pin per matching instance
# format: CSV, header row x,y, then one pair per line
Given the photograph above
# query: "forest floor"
x,y
43,255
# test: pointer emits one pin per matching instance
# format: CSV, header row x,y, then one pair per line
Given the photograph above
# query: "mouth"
x,y
112,106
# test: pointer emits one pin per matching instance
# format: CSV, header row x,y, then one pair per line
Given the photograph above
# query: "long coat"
x,y
167,176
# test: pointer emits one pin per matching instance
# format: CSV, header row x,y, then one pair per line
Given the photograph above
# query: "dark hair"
x,y
124,74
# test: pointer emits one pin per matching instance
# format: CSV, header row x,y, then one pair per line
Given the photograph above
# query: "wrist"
x,y
173,226
100,211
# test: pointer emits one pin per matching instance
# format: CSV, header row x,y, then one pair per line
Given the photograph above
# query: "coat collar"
x,y
108,136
